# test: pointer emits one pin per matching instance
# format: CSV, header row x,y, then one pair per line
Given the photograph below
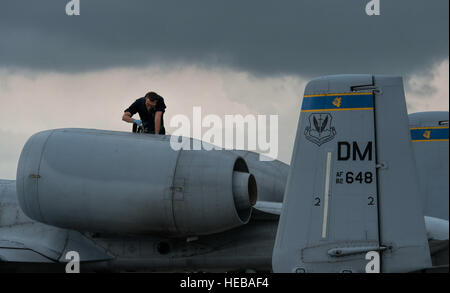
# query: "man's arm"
x,y
158,116
127,117
128,114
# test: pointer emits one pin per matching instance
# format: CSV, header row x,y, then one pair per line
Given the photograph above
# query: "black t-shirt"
x,y
148,117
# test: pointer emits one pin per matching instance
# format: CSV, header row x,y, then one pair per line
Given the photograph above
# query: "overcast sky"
x,y
246,56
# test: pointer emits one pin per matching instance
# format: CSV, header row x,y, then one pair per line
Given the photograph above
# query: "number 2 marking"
x,y
317,204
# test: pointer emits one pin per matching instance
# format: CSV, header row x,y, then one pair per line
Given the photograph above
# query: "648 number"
x,y
366,177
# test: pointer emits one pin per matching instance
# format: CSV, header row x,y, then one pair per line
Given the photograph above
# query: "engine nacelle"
x,y
117,182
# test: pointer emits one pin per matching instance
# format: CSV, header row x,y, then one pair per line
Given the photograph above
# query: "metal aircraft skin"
x,y
364,176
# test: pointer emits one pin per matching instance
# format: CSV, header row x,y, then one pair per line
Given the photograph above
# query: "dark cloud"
x,y
308,37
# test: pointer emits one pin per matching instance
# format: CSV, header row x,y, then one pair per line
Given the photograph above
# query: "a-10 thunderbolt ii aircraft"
x,y
364,178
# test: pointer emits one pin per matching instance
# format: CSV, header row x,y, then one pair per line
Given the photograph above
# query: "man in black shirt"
x,y
151,110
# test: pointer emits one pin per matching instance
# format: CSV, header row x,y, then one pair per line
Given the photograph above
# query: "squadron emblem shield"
x,y
320,129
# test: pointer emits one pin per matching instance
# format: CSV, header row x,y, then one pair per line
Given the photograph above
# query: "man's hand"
x,y
127,117
137,122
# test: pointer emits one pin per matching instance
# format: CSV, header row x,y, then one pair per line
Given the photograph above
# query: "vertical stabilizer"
x,y
352,186
429,134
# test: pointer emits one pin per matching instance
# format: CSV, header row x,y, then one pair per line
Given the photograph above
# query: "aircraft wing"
x,y
437,229
11,251
273,208
39,243
25,241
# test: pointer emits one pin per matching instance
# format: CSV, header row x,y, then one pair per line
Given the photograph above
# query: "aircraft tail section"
x,y
352,189
429,134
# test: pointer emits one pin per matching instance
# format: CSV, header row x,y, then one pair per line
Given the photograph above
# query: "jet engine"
x,y
117,182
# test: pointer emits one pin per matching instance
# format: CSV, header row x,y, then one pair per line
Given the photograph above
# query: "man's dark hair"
x,y
152,96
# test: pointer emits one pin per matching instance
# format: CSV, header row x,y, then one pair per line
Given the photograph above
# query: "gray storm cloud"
x,y
308,37
97,99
